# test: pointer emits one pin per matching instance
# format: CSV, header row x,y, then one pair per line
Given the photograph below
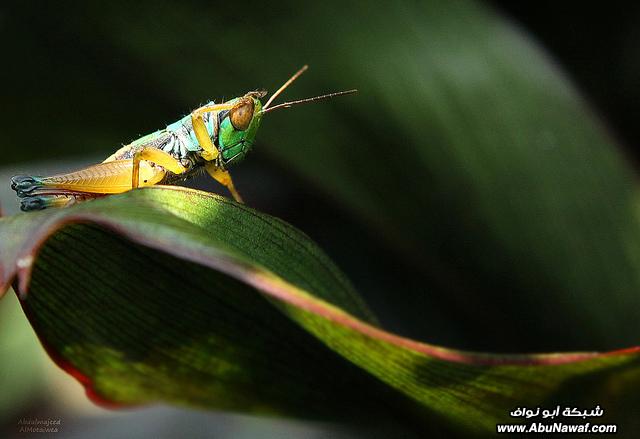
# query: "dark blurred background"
x,y
60,67
599,47
81,79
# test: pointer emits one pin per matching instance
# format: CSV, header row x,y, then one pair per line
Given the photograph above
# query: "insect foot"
x,y
32,203
24,184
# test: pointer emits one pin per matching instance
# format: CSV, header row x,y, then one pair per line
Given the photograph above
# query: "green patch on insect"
x,y
213,137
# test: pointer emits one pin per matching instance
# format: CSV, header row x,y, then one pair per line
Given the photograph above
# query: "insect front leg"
x,y
224,178
157,156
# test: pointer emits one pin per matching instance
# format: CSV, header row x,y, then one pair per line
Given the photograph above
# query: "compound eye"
x,y
241,115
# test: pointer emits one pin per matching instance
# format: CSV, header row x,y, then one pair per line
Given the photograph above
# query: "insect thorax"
x,y
182,138
179,140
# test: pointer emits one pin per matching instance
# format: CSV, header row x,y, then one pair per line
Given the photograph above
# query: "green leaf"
x,y
174,295
465,148
468,149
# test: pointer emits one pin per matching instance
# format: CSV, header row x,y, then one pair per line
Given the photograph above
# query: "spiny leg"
x,y
224,178
157,156
210,152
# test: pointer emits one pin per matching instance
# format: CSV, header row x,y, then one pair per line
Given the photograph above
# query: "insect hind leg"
x,y
40,202
25,184
35,194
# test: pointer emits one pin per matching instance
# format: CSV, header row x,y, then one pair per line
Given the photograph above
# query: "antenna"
x,y
307,100
285,85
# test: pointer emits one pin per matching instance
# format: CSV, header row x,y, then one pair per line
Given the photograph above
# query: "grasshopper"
x,y
212,138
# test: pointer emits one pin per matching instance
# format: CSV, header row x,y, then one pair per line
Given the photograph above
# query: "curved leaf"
x,y
465,146
153,295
